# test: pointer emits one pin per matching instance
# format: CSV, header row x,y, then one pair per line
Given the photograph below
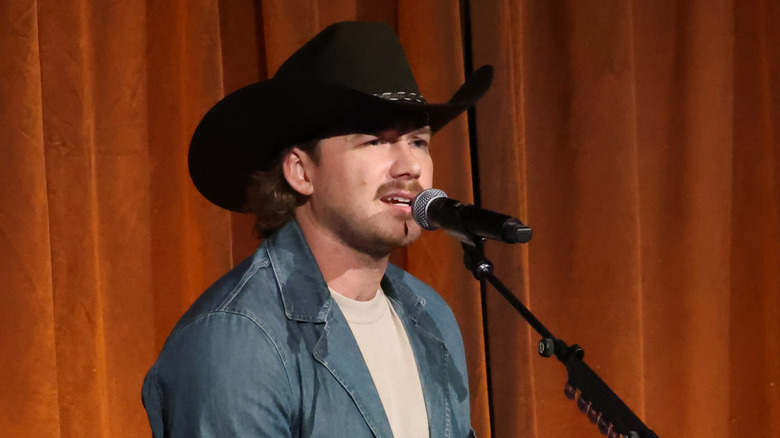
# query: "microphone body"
x,y
432,209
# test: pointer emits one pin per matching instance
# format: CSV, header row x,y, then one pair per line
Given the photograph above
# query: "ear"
x,y
296,166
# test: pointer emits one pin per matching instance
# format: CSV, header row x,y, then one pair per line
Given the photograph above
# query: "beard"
x,y
376,236
374,240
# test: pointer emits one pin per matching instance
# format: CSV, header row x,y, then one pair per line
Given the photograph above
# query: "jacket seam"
x,y
239,287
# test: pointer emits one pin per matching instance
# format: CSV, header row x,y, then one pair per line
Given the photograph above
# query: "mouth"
x,y
398,200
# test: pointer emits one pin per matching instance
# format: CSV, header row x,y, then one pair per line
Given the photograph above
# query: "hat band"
x,y
407,96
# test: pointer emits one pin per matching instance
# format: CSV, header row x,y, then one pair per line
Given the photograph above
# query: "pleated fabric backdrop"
x,y
638,139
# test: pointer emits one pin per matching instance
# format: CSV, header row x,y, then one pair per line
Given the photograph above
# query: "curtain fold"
x,y
685,132
95,134
27,307
191,240
637,139
754,313
500,134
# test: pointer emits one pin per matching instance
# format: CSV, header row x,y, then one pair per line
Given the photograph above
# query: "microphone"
x,y
432,209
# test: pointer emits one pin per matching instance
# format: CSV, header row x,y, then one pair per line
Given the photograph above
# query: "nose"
x,y
406,163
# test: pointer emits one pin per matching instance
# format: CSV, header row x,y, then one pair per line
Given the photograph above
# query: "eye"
x,y
374,142
420,143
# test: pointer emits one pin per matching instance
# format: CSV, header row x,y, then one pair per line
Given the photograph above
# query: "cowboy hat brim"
x,y
249,128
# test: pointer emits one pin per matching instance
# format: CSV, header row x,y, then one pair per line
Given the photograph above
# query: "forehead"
x,y
390,132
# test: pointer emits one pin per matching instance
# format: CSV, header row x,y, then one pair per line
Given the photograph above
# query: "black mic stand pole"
x,y
594,397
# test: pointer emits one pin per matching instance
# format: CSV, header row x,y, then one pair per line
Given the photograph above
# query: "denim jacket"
x,y
266,352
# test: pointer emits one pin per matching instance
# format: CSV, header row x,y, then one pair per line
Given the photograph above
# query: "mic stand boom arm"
x,y
595,399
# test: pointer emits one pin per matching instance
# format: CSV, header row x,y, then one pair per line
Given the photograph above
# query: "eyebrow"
x,y
410,130
423,130
401,130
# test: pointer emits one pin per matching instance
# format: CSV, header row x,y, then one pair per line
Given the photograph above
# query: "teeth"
x,y
397,200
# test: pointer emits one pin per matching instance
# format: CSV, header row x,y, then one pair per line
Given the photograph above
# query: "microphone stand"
x,y
594,397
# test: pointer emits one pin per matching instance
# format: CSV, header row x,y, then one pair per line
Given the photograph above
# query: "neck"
x,y
351,273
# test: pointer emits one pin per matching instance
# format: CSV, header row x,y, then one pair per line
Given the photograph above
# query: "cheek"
x,y
426,172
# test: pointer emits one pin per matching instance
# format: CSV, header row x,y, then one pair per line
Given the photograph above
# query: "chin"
x,y
411,233
383,245
380,241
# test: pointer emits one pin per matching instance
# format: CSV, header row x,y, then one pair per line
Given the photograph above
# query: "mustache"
x,y
413,187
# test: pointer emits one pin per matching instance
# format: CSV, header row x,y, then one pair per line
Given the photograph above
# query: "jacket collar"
x,y
305,294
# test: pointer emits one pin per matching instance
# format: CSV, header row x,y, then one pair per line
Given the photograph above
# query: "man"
x,y
317,334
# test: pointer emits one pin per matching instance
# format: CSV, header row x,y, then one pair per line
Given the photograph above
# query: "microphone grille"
x,y
420,207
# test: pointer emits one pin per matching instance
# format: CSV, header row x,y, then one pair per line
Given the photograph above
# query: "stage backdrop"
x,y
638,139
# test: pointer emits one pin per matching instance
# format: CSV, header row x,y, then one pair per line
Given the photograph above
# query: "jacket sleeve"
x,y
221,375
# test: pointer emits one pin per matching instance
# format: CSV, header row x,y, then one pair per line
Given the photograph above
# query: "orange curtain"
x,y
638,139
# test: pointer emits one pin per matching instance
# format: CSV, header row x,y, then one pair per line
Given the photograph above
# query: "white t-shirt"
x,y
388,354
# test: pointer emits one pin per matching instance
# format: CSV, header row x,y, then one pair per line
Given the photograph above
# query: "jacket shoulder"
x,y
246,289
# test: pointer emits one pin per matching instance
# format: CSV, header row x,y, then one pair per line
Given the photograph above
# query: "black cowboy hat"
x,y
348,78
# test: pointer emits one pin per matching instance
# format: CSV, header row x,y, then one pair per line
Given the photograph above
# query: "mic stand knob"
x,y
474,258
546,347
